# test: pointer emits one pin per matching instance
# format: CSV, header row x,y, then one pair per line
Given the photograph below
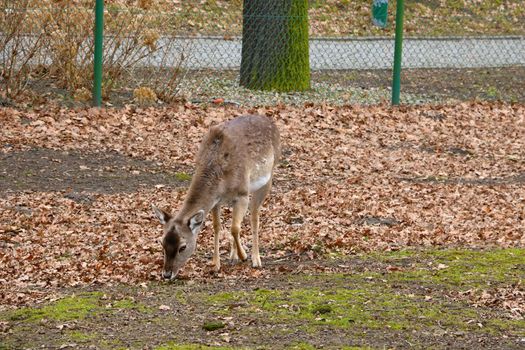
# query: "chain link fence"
x,y
193,50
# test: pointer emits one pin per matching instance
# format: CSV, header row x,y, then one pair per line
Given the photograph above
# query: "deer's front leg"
x,y
216,218
239,209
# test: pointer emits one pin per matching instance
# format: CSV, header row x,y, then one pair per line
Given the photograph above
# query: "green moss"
x,y
117,344
213,326
301,346
124,304
76,307
66,309
174,346
182,176
413,299
392,255
515,327
225,297
321,309
131,304
475,268
378,300
284,67
79,336
453,268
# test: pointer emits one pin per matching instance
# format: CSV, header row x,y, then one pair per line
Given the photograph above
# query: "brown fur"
x,y
235,159
226,160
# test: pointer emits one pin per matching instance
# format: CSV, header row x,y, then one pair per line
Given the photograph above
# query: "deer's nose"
x,y
166,275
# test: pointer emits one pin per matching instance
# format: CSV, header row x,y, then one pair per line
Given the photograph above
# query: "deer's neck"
x,y
202,195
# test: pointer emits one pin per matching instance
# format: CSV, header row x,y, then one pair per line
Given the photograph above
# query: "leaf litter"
x,y
349,180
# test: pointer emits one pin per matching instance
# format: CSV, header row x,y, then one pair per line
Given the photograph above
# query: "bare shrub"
x,y
70,43
21,44
164,70
57,37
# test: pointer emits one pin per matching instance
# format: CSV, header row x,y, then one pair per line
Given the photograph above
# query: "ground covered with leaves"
x,y
335,17
75,219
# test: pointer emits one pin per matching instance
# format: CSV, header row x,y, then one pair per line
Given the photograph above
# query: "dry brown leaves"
x,y
351,178
509,299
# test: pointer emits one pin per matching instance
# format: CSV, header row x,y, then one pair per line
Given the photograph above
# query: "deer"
x,y
234,166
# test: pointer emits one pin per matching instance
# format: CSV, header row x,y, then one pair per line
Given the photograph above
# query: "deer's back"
x,y
240,153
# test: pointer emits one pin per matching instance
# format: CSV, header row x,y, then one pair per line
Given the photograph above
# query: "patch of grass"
x,y
224,298
182,176
379,300
321,309
115,344
301,346
66,309
455,268
131,304
76,307
514,327
213,326
374,307
174,346
493,92
403,303
124,304
79,336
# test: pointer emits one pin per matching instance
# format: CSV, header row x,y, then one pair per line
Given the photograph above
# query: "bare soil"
x,y
439,85
74,172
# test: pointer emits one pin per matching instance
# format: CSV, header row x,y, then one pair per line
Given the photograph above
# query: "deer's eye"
x,y
182,248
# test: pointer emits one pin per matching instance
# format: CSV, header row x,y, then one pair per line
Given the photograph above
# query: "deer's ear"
x,y
161,215
196,222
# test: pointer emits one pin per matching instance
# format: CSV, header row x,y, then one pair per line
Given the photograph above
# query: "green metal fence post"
x,y
396,81
97,65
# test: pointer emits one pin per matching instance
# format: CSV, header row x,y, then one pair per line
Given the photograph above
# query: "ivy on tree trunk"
x,y
275,53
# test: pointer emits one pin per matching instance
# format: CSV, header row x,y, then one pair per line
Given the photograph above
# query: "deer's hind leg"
x,y
239,209
216,218
255,205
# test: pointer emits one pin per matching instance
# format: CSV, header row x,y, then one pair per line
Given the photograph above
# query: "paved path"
x,y
360,53
343,53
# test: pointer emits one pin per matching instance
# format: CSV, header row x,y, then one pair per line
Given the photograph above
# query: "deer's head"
x,y
179,240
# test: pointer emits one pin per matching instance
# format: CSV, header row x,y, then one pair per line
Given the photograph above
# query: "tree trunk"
x,y
275,52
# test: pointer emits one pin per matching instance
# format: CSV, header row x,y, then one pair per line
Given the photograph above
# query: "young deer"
x,y
235,160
